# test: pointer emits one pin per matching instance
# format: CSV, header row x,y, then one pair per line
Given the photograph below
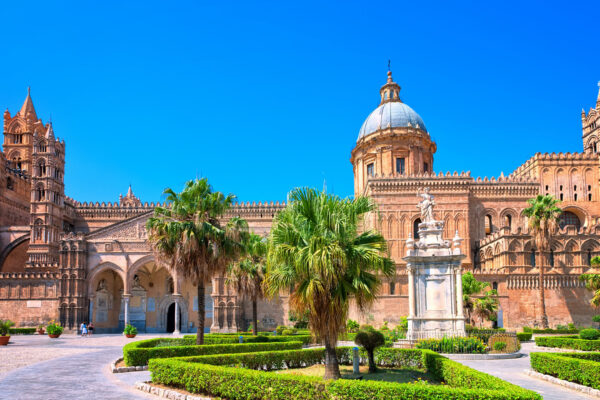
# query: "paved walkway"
x,y
71,367
37,367
512,371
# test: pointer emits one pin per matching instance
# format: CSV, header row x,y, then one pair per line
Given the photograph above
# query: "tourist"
x,y
91,329
84,330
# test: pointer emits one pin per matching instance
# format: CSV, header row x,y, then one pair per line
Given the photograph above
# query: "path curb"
x,y
167,393
571,385
118,370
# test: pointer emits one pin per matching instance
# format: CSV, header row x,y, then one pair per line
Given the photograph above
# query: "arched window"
x,y
416,228
569,218
589,257
42,168
10,184
552,257
508,220
532,258
42,147
170,285
38,227
595,147
488,224
495,286
40,193
392,288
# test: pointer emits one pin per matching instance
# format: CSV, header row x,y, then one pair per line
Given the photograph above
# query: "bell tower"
x,y
591,128
47,198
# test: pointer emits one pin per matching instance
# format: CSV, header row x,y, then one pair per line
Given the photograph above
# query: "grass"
x,y
383,374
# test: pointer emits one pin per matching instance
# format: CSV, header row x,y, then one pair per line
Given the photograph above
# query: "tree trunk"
x,y
254,317
332,369
372,366
200,332
542,293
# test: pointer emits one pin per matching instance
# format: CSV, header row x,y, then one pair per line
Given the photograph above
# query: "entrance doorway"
x,y
171,318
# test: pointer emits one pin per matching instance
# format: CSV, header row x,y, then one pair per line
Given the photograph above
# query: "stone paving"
x,y
513,371
37,367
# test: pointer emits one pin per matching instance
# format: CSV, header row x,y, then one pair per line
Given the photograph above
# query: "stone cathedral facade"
x,y
75,261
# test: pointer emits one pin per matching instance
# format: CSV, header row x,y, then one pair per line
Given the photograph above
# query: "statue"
x,y
426,205
101,285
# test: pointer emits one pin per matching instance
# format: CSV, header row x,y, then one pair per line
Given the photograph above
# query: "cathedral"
x,y
71,261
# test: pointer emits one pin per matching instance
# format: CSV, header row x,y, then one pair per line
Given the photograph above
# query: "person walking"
x,y
90,329
84,330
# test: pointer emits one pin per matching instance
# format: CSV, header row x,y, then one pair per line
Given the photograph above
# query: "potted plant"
x,y
41,330
130,331
5,331
54,329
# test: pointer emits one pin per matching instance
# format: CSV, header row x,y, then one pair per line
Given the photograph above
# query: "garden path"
x,y
513,371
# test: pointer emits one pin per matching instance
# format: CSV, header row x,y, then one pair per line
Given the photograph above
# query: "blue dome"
x,y
393,114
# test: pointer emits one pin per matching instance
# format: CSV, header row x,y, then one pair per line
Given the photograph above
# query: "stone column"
x,y
126,309
176,330
411,291
459,292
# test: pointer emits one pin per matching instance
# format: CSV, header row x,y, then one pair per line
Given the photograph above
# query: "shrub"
x,y
289,331
22,331
138,353
568,342
214,376
589,334
596,318
280,329
511,342
453,345
370,340
558,331
5,326
249,338
352,326
582,368
54,328
527,329
130,330
524,336
499,346
484,334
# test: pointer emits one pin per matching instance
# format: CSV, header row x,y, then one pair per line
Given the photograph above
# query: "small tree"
x,y
370,339
592,282
476,299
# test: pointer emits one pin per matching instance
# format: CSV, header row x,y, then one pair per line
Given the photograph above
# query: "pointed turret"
x,y
583,116
129,192
50,132
598,100
390,91
27,108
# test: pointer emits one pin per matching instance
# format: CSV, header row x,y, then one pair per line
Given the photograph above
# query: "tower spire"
x,y
27,107
598,100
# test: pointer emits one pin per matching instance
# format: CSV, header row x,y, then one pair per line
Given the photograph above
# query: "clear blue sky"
x,y
262,97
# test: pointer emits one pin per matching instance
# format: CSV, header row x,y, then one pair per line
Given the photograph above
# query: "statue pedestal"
x,y
434,284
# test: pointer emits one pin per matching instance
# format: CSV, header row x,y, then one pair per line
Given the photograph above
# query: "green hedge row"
x,y
524,336
22,331
201,375
228,339
138,353
582,368
568,342
558,331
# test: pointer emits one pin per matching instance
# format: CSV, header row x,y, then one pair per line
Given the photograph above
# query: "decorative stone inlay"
x,y
570,385
167,393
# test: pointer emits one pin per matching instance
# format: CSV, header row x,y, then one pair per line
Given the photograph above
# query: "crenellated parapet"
x,y
528,167
254,210
29,275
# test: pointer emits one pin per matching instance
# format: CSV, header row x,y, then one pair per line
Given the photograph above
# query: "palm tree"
x,y
476,299
189,239
543,216
592,282
248,272
317,253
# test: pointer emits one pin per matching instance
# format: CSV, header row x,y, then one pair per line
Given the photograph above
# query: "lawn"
x,y
383,374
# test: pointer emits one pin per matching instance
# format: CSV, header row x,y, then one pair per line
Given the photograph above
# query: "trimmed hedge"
x,y
201,375
559,331
524,336
138,353
230,339
22,331
453,345
582,368
568,342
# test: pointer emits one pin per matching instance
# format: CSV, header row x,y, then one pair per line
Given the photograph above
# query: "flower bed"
x,y
582,368
138,353
221,376
568,342
452,345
